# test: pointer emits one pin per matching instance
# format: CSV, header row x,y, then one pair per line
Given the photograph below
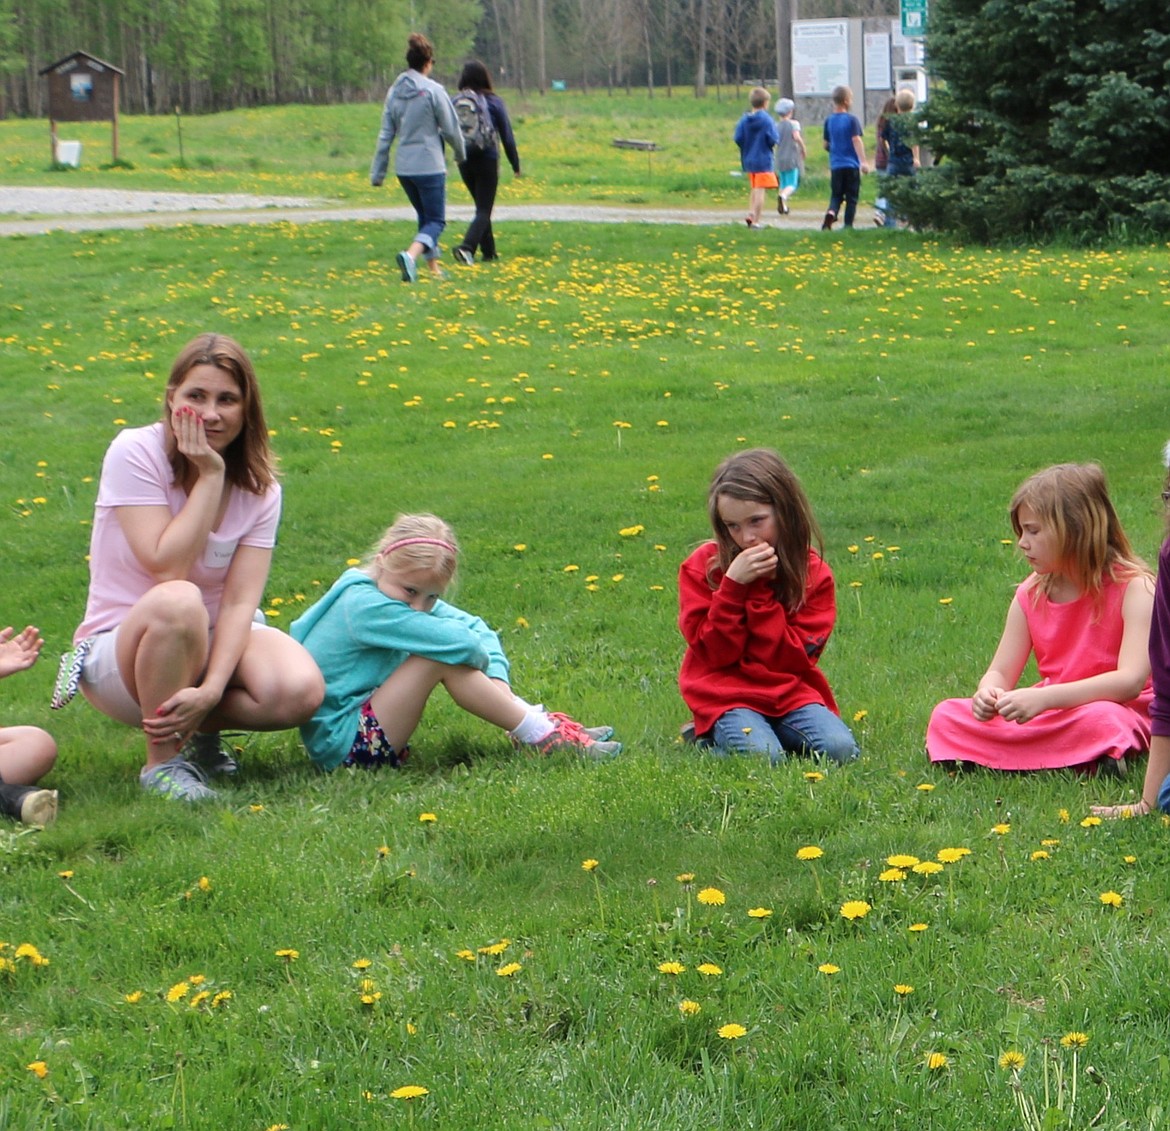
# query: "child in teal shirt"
x,y
384,640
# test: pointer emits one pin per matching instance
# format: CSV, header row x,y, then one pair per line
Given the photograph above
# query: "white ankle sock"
x,y
533,727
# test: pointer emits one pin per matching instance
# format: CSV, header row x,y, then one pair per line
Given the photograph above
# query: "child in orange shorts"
x,y
756,135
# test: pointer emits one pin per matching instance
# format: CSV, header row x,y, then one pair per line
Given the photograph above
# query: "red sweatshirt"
x,y
744,649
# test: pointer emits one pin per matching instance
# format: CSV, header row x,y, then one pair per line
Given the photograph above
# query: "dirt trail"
x,y
36,211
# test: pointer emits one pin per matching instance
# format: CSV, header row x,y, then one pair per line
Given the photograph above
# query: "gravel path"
x,y
84,210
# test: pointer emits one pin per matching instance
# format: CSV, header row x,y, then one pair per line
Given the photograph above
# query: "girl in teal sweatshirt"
x,y
384,640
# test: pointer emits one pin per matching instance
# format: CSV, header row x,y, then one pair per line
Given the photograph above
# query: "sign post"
x,y
913,18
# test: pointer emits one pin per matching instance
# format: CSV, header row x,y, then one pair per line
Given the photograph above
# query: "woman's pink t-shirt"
x,y
137,473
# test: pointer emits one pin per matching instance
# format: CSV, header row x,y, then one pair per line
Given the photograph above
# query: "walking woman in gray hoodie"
x,y
420,115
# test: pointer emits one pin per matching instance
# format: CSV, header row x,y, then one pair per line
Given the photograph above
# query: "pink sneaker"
x,y
572,737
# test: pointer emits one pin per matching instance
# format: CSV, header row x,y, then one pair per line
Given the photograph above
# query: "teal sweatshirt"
x,y
359,636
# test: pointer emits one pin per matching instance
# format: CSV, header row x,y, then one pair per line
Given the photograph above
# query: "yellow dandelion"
x,y
902,989
288,954
828,968
809,852
712,897
38,1068
590,864
945,600
732,1031
466,955
1002,829
689,1008
362,964
671,968
1090,822
814,776
1012,1061
685,877
133,998
1111,899
936,1061
510,968
427,818
178,991
759,912
204,884
892,876
1074,1040
66,875
901,860
855,909
924,787
409,1092
496,947
1039,854
928,868
917,928
952,855
709,969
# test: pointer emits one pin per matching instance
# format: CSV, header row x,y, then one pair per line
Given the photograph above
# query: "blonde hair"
x,y
905,100
761,476
415,541
1073,498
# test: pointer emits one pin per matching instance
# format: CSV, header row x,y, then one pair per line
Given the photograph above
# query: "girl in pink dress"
x,y
1085,612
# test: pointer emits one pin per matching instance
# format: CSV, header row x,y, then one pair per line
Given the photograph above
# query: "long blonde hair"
x,y
1073,498
415,541
761,476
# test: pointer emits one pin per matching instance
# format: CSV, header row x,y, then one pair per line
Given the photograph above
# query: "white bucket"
x,y
69,153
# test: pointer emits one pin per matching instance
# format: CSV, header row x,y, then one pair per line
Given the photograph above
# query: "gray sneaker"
x,y
177,779
211,755
462,255
569,736
598,734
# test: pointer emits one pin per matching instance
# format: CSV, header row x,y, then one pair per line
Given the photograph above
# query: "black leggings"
x,y
481,175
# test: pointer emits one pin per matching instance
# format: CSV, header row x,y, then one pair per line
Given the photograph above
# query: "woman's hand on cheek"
x,y
191,439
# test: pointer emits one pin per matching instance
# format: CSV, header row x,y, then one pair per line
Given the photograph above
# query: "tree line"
x,y
210,55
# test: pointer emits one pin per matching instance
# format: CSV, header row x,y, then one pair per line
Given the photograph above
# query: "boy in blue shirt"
x,y
756,136
846,158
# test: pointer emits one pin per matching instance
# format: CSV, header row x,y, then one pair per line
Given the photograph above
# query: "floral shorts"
x,y
370,748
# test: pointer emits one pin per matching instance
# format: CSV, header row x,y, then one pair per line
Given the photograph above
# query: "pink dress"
x,y
1073,640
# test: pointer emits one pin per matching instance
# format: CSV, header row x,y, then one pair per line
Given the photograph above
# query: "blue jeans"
x,y
428,195
812,729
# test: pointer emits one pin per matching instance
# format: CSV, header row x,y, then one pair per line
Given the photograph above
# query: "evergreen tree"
x,y
1053,118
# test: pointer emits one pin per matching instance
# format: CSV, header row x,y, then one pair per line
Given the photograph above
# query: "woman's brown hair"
x,y
761,476
419,51
248,460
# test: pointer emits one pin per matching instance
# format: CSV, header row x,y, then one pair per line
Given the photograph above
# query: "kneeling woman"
x,y
183,532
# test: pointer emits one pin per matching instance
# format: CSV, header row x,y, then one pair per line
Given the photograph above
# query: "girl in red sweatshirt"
x,y
756,607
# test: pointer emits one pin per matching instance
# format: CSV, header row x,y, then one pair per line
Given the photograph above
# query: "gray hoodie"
x,y
419,114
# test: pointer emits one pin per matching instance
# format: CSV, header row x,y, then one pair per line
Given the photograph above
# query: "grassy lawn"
x,y
583,387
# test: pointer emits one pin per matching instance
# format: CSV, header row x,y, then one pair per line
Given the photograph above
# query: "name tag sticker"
x,y
218,554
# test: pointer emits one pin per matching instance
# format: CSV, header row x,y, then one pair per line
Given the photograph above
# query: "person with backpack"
x,y
483,120
420,115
